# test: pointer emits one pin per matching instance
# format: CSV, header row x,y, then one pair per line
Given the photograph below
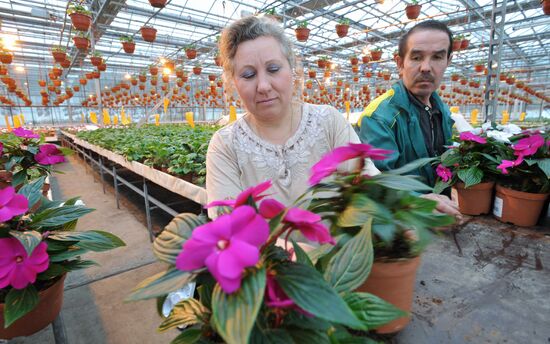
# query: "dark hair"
x,y
426,25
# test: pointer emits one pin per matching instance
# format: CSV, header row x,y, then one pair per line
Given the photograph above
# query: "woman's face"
x,y
263,77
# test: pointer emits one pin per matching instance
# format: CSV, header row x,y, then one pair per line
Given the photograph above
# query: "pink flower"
x,y
468,136
49,155
16,267
529,145
242,198
444,173
1,148
509,163
329,163
226,246
27,134
309,224
12,204
269,208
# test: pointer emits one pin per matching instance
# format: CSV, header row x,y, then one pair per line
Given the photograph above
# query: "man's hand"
x,y
445,205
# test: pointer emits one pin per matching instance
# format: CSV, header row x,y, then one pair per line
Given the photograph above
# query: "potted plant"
x,y
545,6
66,63
81,18
401,222
153,69
59,53
457,42
96,58
148,33
376,54
302,32
354,60
524,183
413,9
190,51
81,40
37,237
342,27
479,66
6,56
322,61
272,12
455,77
128,44
464,43
158,3
197,69
277,292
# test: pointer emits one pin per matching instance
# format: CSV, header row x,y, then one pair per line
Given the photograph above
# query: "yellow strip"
x,y
369,110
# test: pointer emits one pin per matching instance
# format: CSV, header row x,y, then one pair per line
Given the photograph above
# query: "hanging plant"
x,y
413,10
464,43
212,77
376,54
128,44
81,40
81,18
65,63
153,69
354,60
102,67
59,53
545,6
190,51
457,42
302,32
158,3
342,27
148,33
96,58
479,66
312,74
197,69
322,61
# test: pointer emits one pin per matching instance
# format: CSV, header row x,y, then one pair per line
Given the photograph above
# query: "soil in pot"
x,y
394,282
517,207
476,199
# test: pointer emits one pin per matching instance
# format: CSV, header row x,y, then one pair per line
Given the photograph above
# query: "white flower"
x,y
500,136
486,126
477,131
510,128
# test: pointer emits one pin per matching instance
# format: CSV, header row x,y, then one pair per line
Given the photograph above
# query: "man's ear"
x,y
400,61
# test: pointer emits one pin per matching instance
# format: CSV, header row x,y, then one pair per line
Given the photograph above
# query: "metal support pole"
x,y
101,173
147,210
540,109
115,182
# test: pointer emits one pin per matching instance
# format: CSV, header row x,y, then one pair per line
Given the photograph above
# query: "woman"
x,y
279,138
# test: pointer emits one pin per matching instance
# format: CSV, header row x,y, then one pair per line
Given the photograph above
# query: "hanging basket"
x,y
149,34
96,61
49,305
413,11
59,56
518,207
81,22
394,282
81,43
476,199
302,34
129,47
342,30
546,7
376,55
158,3
191,53
6,58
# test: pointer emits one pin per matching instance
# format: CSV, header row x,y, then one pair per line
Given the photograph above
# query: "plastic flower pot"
x,y
376,55
321,63
96,61
81,22
65,63
149,34
464,44
457,45
191,53
49,305
102,67
413,11
59,56
393,281
302,34
158,3
354,61
197,70
6,58
479,68
342,30
81,43
518,207
546,7
129,47
476,199
365,58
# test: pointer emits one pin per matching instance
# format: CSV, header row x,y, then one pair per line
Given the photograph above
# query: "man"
x,y
410,118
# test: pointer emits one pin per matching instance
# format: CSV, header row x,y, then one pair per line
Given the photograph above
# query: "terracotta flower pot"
x,y
191,53
6,58
149,34
81,22
413,11
342,30
393,282
302,34
456,45
81,43
517,207
464,44
546,7
96,61
479,68
476,199
129,47
376,55
158,3
321,63
49,306
197,70
59,56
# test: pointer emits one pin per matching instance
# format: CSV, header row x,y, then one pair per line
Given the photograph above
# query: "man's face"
x,y
425,62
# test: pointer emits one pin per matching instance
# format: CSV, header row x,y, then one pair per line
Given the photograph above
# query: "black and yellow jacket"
x,y
392,122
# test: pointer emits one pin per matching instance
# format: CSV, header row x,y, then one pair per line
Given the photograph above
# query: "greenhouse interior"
x,y
316,171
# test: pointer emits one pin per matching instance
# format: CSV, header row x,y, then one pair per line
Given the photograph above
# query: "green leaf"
x,y
19,177
350,267
307,288
360,209
18,303
319,252
309,336
53,271
160,284
544,165
72,252
470,176
440,186
93,240
57,216
372,310
188,336
301,255
29,239
78,265
413,165
398,182
450,157
266,335
185,313
205,294
233,315
32,191
167,246
385,231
